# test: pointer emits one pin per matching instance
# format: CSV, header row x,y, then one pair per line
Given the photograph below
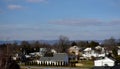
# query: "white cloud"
x,y
80,22
86,22
14,7
115,22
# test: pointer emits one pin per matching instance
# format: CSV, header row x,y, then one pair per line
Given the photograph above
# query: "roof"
x,y
45,58
56,57
98,47
74,48
106,59
118,47
87,49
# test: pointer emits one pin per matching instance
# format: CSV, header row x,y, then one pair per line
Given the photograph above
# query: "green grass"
x,y
87,63
27,68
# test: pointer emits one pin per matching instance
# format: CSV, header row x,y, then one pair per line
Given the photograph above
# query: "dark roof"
x,y
112,58
56,57
45,58
60,56
100,58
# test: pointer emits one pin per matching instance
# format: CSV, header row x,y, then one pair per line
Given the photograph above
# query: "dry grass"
x,y
87,63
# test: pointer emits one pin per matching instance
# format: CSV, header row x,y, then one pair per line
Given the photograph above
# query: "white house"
x,y
35,54
27,56
118,50
89,52
104,62
15,57
42,51
53,51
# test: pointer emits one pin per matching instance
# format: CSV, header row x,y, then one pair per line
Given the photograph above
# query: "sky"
x,y
48,19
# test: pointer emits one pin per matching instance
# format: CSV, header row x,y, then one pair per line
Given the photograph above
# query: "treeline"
x,y
61,45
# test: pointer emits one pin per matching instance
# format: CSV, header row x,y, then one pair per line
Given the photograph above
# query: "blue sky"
x,y
48,19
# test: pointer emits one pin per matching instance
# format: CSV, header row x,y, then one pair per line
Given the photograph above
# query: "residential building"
x,y
57,59
74,52
105,62
118,50
74,49
97,52
42,51
53,51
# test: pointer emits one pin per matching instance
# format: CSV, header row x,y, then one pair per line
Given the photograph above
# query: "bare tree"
x,y
110,42
63,43
6,61
83,44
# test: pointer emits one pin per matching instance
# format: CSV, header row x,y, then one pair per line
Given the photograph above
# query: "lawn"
x,y
86,63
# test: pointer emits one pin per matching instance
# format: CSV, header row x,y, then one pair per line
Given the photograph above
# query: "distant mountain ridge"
x,y
43,41
30,41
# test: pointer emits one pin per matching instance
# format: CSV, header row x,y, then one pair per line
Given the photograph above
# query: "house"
x,y
118,51
74,50
104,62
98,47
42,51
97,52
35,54
53,51
15,57
57,59
89,52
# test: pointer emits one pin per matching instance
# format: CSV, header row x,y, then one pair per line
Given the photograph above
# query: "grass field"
x,y
47,67
86,63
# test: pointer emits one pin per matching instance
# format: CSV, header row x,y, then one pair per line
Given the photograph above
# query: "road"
x,y
38,67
